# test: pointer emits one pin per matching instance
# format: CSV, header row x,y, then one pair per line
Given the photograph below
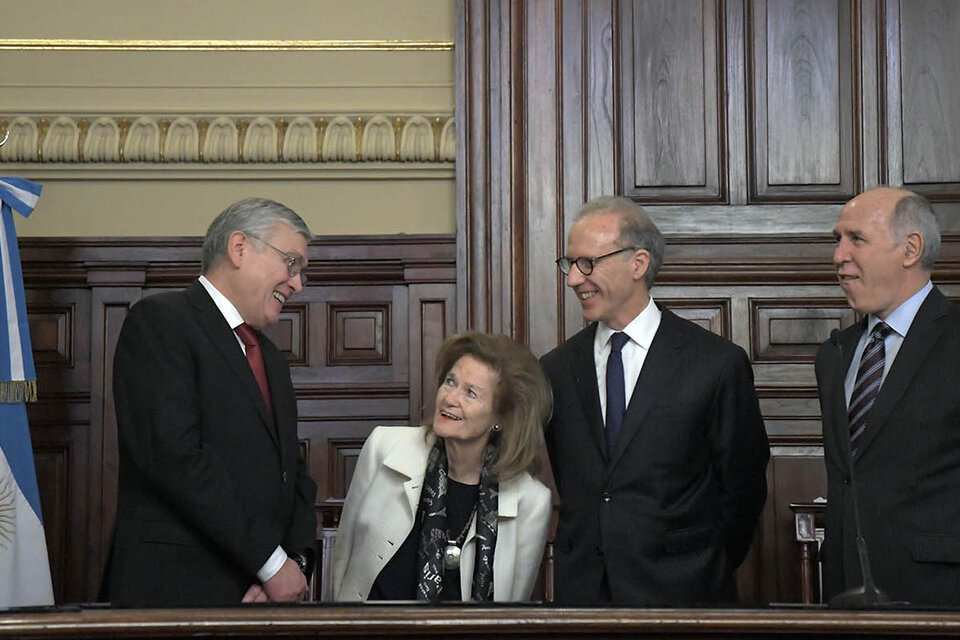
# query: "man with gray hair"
x,y
890,400
657,445
215,504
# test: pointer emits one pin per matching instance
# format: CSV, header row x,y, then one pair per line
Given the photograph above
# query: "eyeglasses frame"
x,y
293,261
590,261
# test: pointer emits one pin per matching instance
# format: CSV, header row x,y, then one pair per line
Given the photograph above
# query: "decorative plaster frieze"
x,y
226,139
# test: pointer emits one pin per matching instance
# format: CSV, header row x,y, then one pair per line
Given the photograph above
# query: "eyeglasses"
x,y
586,264
294,262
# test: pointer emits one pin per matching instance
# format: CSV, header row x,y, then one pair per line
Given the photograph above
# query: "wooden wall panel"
x,y
929,55
741,126
352,339
435,318
52,463
792,330
798,476
290,333
712,315
803,99
669,81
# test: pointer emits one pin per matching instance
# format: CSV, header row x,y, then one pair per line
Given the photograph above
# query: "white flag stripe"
x,y
10,301
26,197
23,548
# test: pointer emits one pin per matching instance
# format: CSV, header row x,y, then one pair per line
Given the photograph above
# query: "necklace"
x,y
451,553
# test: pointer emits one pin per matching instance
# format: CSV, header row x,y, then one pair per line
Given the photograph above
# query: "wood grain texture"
x,y
805,101
669,81
929,59
669,141
507,622
803,93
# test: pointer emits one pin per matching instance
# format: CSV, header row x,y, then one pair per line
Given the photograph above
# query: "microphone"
x,y
868,595
835,339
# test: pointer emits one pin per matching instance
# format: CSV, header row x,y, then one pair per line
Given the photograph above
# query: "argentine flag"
x,y
24,567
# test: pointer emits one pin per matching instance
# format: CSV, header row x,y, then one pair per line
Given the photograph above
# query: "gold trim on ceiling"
x,y
46,44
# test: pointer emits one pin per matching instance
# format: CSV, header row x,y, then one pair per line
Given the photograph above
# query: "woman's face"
x,y
465,402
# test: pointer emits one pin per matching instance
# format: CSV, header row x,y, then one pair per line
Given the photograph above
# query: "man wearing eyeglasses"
x,y
657,445
215,504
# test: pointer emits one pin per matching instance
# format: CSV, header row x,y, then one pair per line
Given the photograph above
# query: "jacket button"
x,y
605,497
599,551
284,476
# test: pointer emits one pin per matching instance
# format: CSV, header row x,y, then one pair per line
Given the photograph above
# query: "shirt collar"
x,y
902,317
640,330
230,313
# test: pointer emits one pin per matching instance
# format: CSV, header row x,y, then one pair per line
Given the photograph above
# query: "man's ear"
x,y
238,246
641,262
912,249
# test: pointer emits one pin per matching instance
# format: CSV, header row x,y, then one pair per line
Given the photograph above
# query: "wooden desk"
x,y
527,623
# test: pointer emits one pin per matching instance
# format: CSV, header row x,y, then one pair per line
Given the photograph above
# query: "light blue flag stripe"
x,y
16,354
20,193
16,446
25,576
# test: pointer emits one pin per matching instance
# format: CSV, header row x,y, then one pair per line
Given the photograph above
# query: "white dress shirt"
x,y
641,331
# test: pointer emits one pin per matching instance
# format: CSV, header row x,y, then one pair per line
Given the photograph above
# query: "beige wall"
x,y
139,62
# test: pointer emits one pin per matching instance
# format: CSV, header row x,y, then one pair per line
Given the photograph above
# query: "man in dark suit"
x,y
890,399
657,446
215,504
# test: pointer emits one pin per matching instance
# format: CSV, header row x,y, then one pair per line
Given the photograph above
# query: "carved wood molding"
x,y
473,622
170,261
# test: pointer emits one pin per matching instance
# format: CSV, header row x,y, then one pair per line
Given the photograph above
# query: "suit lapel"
x,y
656,376
273,362
410,459
923,334
225,341
843,350
585,382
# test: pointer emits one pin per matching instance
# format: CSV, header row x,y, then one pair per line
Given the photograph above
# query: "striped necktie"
x,y
869,377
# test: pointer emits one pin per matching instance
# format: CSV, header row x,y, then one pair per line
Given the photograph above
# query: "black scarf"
x,y
433,536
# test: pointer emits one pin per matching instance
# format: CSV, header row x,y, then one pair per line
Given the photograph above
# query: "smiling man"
x,y
656,443
215,505
890,400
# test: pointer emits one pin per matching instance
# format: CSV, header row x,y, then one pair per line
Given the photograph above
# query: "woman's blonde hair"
x,y
523,401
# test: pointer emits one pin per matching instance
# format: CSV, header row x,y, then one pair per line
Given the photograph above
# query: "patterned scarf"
x,y
433,537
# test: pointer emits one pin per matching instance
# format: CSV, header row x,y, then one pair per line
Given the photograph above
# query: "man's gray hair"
x,y
252,216
636,229
914,213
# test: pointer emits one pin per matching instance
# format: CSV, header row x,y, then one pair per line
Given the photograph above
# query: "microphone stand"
x,y
868,595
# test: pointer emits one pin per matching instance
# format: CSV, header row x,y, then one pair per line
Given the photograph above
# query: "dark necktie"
x,y
255,358
869,377
616,396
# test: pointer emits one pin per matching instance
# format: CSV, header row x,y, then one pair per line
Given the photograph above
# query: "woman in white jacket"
x,y
453,511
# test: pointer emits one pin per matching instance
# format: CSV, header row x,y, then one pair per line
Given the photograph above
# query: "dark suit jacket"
x,y
671,514
907,469
210,483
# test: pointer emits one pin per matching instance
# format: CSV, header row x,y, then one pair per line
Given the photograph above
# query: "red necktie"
x,y
255,358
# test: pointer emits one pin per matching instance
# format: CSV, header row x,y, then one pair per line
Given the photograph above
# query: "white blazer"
x,y
382,503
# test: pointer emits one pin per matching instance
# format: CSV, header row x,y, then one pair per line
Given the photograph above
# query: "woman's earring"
x,y
496,428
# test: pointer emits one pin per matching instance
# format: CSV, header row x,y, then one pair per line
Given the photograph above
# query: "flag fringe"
x,y
16,391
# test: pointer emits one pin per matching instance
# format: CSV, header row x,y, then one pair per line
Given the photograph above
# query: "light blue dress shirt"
x,y
900,321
